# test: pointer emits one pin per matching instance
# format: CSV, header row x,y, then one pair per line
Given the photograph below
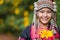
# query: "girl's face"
x,y
44,15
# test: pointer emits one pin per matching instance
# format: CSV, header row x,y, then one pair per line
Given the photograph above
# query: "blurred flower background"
x,y
15,15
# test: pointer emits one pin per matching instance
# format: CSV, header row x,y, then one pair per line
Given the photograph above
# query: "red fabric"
x,y
50,38
56,35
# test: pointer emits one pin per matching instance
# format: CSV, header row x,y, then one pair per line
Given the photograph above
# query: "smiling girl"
x,y
43,26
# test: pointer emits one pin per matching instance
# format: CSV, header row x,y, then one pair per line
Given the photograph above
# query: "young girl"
x,y
44,26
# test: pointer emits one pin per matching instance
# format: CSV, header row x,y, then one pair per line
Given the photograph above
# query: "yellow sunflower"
x,y
45,33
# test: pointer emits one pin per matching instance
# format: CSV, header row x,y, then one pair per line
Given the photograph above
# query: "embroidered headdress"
x,y
44,3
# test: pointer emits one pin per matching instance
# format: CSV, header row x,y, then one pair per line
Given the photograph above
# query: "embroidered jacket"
x,y
26,34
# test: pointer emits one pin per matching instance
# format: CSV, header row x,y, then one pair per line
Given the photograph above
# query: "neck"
x,y
43,25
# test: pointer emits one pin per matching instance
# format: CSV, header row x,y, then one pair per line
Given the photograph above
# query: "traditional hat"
x,y
44,3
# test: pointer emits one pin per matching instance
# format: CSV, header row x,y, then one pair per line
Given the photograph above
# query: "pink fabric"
x,y
33,32
35,35
21,38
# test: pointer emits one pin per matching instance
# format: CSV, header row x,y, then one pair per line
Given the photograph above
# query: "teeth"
x,y
44,19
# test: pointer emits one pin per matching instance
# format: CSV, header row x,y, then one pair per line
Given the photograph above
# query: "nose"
x,y
45,14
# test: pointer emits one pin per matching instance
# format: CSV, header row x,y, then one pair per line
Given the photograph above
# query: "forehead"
x,y
46,9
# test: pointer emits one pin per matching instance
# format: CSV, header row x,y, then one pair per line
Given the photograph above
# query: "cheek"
x,y
39,15
50,16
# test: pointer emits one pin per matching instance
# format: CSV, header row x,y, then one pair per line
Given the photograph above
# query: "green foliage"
x,y
12,15
58,12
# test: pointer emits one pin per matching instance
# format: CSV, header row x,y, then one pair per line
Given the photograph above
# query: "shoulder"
x,y
27,28
26,32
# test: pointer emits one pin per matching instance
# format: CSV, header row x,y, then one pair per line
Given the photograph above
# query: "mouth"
x,y
44,19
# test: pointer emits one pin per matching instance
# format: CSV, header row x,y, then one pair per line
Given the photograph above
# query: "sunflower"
x,y
45,33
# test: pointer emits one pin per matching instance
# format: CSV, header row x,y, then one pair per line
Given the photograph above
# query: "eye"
x,y
49,11
41,11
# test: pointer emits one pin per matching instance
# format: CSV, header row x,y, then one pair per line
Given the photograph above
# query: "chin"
x,y
45,22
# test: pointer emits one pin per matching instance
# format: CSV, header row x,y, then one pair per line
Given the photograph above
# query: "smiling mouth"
x,y
45,19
